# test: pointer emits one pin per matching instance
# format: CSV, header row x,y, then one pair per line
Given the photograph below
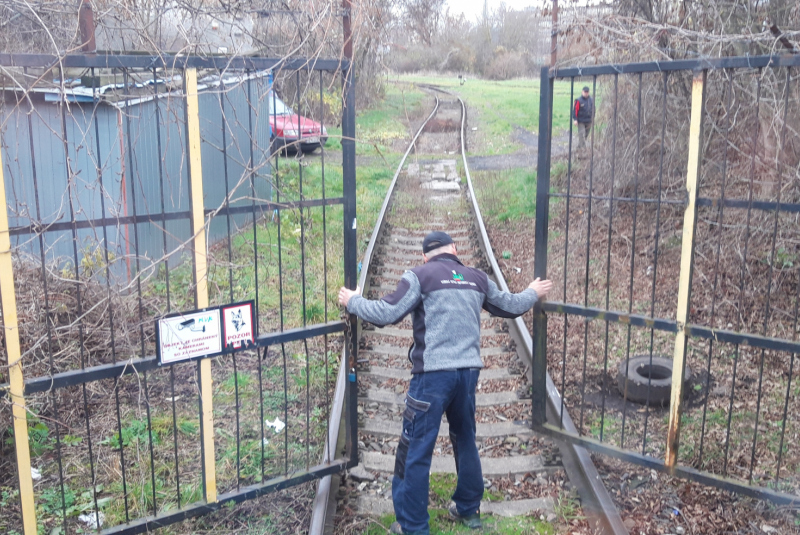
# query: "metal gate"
x,y
139,187
673,235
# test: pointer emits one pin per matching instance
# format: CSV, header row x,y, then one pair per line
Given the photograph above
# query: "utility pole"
x,y
86,23
346,30
554,36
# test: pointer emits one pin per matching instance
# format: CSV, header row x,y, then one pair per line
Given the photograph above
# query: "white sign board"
x,y
237,321
190,335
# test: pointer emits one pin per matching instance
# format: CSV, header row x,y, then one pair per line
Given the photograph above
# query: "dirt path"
x,y
526,157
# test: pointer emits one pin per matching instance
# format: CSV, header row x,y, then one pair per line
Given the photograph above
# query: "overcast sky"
x,y
472,8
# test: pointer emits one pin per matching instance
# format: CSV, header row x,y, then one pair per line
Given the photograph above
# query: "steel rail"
x,y
324,503
595,499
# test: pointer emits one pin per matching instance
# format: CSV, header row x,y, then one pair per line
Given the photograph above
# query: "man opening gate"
x,y
673,240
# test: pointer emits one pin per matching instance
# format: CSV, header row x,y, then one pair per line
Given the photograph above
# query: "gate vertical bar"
x,y
350,254
685,281
539,366
201,280
15,374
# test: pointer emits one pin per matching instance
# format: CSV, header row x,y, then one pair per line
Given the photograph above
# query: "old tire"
x,y
642,375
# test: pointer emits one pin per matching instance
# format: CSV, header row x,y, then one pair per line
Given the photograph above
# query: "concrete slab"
x,y
500,429
445,464
442,185
381,395
374,505
393,373
408,333
421,233
403,352
418,239
442,199
417,258
544,505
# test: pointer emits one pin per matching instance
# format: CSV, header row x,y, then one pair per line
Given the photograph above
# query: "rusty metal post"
x,y
554,36
347,31
86,24
685,281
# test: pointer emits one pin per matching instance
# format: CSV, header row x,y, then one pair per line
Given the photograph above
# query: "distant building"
x,y
175,30
109,165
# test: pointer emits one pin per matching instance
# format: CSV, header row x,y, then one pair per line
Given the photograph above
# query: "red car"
x,y
290,131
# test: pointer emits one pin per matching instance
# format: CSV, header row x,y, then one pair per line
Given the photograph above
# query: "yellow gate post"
x,y
685,281
15,377
201,280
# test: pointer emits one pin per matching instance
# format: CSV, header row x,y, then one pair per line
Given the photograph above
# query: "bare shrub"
x,y
506,65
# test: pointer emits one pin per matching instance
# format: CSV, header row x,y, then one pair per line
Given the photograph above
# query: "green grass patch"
x,y
441,524
444,485
136,432
507,195
379,127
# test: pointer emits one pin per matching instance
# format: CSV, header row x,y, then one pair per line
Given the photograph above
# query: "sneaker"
x,y
395,528
471,521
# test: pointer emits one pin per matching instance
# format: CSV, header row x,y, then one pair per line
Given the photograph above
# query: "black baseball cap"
x,y
434,240
586,88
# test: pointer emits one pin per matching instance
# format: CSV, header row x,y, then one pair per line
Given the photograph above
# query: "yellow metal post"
x,y
685,281
201,278
16,381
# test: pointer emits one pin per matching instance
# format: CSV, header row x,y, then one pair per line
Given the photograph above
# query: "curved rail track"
x,y
523,471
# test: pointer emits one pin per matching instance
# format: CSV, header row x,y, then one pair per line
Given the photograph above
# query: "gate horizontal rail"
x,y
135,366
169,61
171,216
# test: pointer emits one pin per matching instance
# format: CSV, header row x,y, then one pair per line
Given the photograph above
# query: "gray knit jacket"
x,y
445,299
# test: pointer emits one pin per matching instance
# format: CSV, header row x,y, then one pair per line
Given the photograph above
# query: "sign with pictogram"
x,y
188,335
238,330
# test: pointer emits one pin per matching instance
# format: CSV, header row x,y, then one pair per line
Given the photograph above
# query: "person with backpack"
x,y
582,116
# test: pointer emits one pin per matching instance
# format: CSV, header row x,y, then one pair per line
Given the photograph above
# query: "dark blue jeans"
x,y
430,395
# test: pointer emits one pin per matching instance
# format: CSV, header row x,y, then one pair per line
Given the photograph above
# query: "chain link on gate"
x,y
662,200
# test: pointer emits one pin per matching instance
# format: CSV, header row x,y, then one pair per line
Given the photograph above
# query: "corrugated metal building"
x,y
117,157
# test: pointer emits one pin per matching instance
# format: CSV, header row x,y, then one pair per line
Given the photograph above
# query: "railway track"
x,y
523,473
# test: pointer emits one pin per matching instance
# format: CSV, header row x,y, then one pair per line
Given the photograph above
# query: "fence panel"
x,y
135,189
672,238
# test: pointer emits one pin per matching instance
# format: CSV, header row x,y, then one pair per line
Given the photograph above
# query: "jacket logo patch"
x,y
458,278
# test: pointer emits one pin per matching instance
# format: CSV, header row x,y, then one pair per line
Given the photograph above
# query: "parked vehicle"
x,y
292,132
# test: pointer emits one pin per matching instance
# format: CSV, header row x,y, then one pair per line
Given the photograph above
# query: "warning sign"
x,y
189,335
237,323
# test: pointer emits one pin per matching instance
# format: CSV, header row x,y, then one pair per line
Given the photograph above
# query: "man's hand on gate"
x,y
575,122
541,287
345,295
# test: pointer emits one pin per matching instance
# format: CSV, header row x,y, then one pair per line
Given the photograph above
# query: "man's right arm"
x,y
391,308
